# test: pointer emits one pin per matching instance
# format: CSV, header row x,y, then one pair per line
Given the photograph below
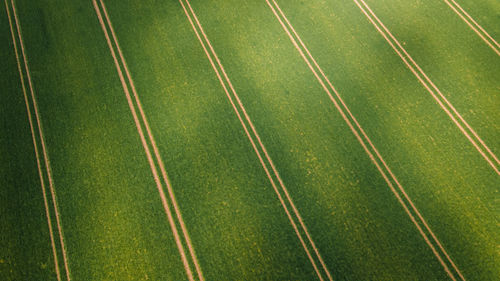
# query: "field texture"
x,y
250,140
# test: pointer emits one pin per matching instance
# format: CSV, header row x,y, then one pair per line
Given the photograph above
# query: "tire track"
x,y
154,168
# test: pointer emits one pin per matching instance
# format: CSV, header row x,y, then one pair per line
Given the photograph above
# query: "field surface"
x,y
250,140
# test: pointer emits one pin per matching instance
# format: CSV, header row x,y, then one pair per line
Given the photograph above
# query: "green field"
x,y
271,180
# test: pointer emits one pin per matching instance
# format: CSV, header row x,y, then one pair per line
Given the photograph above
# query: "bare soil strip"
x,y
35,145
248,133
155,149
146,148
367,139
479,30
414,68
42,141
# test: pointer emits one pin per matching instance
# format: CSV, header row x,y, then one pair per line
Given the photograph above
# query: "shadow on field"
x,y
353,217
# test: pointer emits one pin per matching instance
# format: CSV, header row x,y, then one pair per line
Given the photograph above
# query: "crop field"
x,y
250,140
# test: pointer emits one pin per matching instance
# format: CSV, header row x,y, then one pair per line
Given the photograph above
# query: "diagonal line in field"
x,y
35,145
477,26
146,148
42,141
447,111
370,154
299,218
155,149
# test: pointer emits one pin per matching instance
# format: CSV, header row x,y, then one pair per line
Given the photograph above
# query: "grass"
x,y
24,239
401,118
113,220
485,13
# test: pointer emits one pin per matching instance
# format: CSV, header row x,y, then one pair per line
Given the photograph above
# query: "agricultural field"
x,y
250,140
